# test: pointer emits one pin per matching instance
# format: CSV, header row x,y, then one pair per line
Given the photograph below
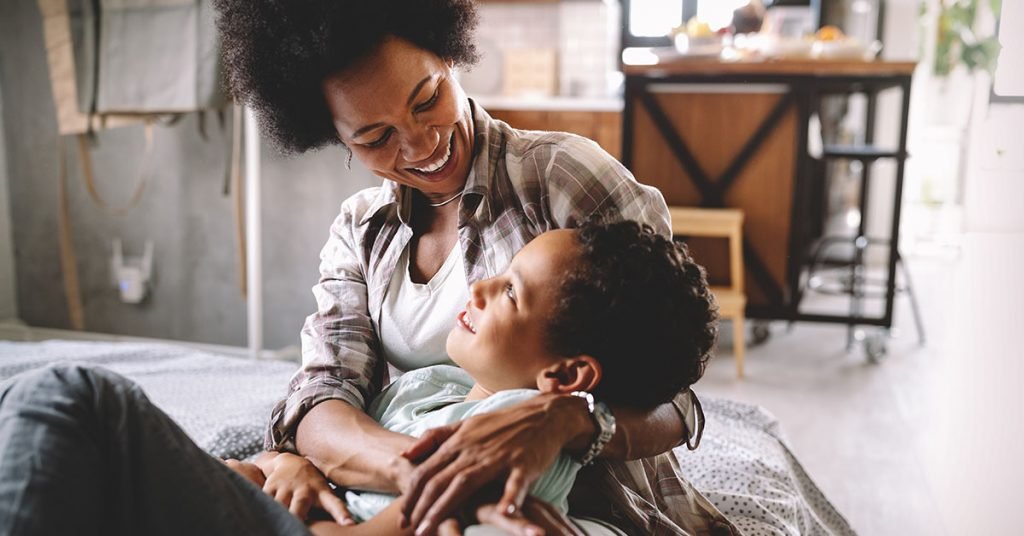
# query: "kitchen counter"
x,y
656,62
715,133
550,104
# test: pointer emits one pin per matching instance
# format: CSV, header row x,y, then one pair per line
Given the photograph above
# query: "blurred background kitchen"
x,y
854,194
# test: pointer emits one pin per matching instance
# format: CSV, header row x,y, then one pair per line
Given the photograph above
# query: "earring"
x,y
348,160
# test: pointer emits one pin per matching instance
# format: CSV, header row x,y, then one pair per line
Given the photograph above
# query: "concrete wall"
x,y
8,302
183,211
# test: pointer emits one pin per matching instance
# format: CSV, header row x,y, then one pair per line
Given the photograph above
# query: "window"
x,y
646,23
1008,82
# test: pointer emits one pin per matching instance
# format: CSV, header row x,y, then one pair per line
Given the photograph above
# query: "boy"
x,y
615,310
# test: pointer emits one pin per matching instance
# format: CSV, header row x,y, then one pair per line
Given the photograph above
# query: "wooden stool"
x,y
721,223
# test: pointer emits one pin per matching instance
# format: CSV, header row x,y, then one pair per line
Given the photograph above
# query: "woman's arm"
x,y
323,417
352,449
518,444
638,433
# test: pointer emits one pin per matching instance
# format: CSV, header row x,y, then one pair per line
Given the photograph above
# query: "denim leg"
x,y
84,451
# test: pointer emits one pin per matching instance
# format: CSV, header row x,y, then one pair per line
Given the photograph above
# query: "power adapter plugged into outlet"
x,y
132,275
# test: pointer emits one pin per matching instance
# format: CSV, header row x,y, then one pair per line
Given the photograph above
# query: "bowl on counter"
x,y
845,49
709,46
784,47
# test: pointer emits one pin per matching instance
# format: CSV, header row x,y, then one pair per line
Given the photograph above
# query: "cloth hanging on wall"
x,y
157,56
60,56
115,62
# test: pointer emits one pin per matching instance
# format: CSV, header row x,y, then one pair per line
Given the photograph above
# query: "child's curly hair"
x,y
277,53
639,304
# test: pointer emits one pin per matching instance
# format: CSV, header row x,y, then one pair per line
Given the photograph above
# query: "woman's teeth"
x,y
440,163
469,322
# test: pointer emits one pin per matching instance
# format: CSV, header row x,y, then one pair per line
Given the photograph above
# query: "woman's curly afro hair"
x,y
278,52
639,304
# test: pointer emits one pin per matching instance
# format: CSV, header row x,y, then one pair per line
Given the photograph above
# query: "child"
x,y
611,309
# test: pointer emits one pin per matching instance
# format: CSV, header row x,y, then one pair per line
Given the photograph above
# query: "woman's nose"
x,y
419,144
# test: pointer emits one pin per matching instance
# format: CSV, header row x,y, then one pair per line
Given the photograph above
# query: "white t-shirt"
x,y
415,319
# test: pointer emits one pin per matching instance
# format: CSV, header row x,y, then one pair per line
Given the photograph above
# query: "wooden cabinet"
x,y
604,127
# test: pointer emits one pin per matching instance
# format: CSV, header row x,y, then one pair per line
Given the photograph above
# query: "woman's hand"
x,y
297,484
516,444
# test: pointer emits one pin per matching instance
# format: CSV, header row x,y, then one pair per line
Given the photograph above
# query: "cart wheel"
x,y
759,333
876,346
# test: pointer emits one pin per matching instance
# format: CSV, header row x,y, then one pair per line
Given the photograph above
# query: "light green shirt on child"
x,y
436,396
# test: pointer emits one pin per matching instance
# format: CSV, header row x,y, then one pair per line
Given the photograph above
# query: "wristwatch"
x,y
605,422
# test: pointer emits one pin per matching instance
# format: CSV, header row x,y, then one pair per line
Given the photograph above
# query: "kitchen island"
x,y
714,133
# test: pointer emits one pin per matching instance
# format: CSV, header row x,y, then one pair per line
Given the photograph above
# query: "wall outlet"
x,y
132,275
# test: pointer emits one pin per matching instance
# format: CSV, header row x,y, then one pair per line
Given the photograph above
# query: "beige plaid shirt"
x,y
523,184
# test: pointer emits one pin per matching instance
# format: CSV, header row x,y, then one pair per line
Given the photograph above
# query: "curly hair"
x,y
639,304
278,52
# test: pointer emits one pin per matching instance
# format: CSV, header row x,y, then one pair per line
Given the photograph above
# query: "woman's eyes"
x,y
510,291
381,140
430,102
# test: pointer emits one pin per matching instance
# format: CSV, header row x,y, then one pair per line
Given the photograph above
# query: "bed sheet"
x,y
743,464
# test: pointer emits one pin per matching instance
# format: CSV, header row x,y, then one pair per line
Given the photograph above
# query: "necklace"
x,y
446,201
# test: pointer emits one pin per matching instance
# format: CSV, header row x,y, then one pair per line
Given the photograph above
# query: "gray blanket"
x,y
743,464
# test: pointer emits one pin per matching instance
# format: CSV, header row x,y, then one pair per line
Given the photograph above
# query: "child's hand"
x,y
297,484
250,471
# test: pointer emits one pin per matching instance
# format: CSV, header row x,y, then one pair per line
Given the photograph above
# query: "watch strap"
x,y
604,420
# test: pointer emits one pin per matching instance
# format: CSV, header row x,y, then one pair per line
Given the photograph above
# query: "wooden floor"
x,y
929,440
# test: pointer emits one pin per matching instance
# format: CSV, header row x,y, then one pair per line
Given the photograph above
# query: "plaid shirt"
x,y
523,184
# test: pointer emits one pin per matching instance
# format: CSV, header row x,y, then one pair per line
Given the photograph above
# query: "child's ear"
x,y
580,373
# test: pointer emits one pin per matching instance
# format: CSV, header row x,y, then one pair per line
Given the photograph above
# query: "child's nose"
x,y
476,294
481,291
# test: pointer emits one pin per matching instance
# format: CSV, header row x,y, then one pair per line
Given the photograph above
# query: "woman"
x,y
462,193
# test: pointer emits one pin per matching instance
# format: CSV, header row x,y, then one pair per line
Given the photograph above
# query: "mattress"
x,y
743,464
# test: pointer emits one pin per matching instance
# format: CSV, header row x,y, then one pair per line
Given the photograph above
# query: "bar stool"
x,y
732,301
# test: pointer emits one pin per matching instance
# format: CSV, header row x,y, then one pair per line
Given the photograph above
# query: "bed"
x,y
743,464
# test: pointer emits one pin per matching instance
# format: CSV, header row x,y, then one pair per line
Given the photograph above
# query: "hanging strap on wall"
x,y
85,161
68,261
238,200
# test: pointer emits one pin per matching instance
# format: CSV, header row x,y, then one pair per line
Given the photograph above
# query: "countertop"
x,y
550,104
659,63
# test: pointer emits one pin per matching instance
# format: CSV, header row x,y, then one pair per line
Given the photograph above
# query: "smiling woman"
x,y
461,194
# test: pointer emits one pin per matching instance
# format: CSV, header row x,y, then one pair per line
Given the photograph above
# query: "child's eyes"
x,y
510,291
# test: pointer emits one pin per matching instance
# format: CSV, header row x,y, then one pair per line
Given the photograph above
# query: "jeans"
x,y
84,451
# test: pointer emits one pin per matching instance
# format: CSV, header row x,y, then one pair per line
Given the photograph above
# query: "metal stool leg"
x,y
918,321
860,243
